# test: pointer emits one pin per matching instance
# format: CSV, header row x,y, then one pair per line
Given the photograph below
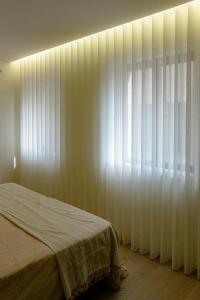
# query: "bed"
x,y
50,249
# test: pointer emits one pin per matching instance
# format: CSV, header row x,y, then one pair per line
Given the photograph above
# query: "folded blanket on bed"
x,y
85,245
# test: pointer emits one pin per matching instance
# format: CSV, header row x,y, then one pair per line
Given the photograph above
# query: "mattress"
x,y
36,261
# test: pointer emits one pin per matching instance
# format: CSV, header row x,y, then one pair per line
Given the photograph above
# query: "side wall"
x,y
7,124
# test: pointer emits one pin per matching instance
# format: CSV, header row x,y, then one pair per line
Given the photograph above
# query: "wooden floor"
x,y
148,280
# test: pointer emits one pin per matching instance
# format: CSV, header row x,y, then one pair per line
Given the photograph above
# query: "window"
x,y
153,119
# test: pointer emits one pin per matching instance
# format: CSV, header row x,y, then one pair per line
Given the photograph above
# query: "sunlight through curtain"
x,y
111,123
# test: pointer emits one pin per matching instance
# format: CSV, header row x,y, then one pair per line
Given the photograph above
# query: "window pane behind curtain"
x,y
134,99
40,118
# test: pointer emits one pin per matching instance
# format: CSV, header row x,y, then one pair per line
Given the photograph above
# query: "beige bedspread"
x,y
84,245
28,268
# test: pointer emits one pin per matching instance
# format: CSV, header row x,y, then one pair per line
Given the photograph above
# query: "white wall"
x,y
7,124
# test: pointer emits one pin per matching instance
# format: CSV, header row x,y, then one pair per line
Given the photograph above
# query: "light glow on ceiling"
x,y
170,10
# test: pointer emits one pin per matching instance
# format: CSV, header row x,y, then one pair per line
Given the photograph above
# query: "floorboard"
x,y
148,280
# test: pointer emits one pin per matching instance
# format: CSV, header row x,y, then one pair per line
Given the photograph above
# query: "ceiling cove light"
x,y
170,10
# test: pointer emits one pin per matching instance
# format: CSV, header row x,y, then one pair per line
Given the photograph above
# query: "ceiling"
x,y
29,26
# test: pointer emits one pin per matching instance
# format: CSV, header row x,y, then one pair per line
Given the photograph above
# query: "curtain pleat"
x,y
111,123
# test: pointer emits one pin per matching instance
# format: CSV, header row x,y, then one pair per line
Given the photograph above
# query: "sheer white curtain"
x,y
111,123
